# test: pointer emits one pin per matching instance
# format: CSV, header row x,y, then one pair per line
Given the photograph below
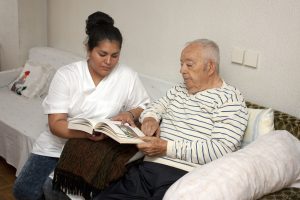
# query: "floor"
x,y
7,178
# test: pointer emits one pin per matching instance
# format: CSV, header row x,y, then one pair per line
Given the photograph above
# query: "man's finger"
x,y
157,132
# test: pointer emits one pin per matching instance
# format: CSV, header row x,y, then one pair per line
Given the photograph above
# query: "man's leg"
x,y
29,183
144,181
163,177
129,187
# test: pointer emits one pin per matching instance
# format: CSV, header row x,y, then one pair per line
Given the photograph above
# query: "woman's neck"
x,y
95,77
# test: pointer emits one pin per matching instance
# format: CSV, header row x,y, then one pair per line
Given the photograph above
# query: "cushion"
x,y
44,92
268,164
32,80
261,121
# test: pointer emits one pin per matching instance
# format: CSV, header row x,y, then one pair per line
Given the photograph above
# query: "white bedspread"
x,y
22,119
20,127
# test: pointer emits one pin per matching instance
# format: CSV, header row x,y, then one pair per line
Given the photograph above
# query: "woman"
x,y
99,87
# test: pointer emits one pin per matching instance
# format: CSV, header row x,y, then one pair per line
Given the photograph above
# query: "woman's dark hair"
x,y
99,27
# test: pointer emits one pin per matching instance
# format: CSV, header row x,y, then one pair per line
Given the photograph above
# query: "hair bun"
x,y
96,20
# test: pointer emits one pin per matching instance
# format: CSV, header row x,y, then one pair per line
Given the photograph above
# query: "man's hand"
x,y
153,146
150,127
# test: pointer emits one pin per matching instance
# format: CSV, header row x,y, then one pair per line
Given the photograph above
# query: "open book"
x,y
119,132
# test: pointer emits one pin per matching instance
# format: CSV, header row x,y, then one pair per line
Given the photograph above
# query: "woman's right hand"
x,y
97,136
150,127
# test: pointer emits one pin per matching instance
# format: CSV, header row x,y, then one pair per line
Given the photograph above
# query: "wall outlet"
x,y
237,55
251,58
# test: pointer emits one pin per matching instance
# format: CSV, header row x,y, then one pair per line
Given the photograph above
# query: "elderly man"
x,y
195,123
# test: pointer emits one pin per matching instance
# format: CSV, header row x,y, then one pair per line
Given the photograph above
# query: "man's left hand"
x,y
153,146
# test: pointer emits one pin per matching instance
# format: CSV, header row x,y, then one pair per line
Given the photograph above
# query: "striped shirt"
x,y
199,128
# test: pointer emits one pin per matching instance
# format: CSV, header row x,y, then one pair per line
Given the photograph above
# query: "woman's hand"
x,y
129,116
97,136
125,117
150,127
153,146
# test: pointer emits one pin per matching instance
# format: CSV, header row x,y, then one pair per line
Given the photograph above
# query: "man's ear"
x,y
211,67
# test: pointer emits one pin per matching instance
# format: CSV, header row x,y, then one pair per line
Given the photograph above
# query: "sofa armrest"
x,y
8,76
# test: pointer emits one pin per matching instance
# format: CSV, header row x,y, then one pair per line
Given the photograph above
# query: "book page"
x,y
120,132
81,124
86,125
83,121
130,131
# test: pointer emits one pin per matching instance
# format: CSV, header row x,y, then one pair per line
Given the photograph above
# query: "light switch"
x,y
251,58
237,55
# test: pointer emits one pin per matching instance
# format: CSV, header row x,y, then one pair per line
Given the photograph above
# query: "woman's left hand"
x,y
124,117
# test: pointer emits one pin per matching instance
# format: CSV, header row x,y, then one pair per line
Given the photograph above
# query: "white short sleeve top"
x,y
73,91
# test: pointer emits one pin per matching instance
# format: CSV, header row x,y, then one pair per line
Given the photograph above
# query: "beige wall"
x,y
9,31
32,25
155,31
23,25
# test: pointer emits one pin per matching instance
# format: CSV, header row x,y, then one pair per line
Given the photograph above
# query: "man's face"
x,y
193,68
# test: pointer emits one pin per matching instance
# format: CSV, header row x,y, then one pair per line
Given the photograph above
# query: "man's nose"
x,y
182,69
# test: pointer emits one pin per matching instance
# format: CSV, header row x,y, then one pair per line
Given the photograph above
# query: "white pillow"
x,y
44,91
32,79
261,121
268,164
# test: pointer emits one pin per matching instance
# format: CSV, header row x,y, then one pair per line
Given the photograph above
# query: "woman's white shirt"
x,y
73,91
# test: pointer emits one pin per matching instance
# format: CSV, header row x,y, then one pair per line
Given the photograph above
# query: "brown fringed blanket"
x,y
85,166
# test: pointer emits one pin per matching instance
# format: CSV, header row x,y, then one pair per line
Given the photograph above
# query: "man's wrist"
x,y
150,115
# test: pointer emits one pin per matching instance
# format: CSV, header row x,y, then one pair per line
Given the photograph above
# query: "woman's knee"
x,y
32,177
51,194
18,190
23,191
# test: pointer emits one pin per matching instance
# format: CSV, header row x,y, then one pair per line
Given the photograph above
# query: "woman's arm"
x,y
130,116
58,125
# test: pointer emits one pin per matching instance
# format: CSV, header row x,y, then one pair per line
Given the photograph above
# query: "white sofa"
x,y
22,119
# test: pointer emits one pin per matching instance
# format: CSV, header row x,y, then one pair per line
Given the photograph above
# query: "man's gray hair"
x,y
211,50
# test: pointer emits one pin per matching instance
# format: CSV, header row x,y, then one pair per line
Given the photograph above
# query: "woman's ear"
x,y
88,54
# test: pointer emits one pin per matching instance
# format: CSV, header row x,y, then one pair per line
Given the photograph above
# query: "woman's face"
x,y
103,58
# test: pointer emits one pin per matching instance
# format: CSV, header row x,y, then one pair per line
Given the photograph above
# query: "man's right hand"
x,y
150,127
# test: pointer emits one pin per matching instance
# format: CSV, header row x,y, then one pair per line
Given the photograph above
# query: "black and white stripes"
x,y
199,128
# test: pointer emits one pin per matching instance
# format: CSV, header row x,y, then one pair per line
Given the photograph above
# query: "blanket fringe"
x,y
71,184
